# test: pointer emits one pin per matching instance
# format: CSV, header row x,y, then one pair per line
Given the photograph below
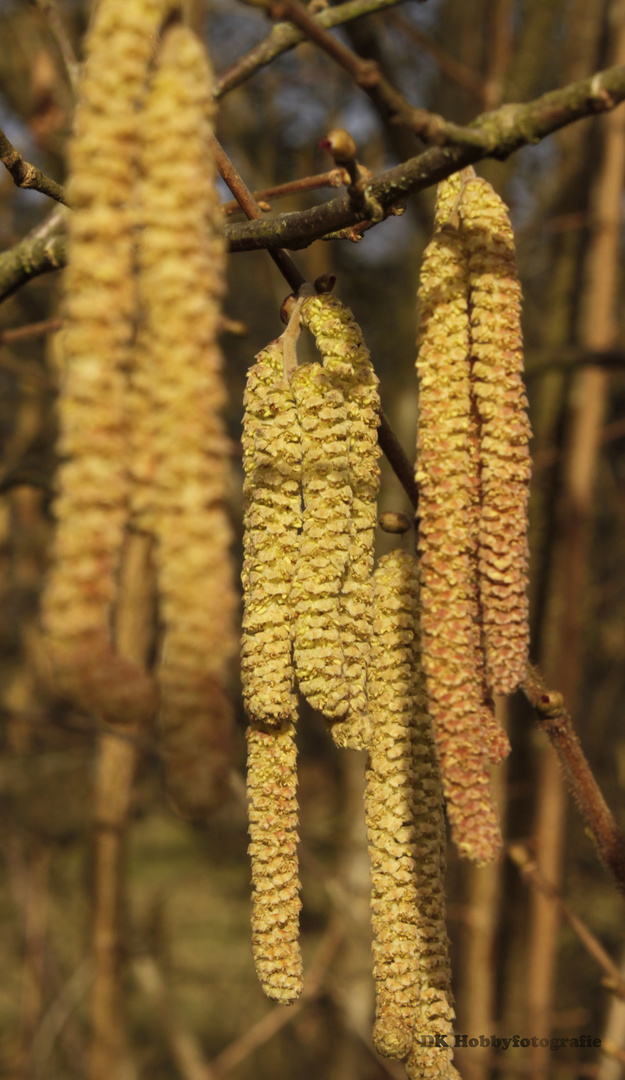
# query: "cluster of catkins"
x,y
320,618
402,660
142,442
473,470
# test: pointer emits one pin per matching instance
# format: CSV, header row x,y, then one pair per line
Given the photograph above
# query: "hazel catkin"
x,y
181,452
404,815
347,362
272,462
324,545
497,384
446,473
273,830
99,306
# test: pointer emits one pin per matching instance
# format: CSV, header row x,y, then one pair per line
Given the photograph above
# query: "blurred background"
x,y
189,1005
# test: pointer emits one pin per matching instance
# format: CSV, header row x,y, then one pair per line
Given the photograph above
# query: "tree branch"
x,y
496,134
556,723
250,207
335,178
531,873
41,250
26,175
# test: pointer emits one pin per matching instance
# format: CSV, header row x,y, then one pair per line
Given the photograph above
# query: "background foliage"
x,y
192,1006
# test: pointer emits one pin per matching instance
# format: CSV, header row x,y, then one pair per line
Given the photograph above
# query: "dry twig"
x,y
529,869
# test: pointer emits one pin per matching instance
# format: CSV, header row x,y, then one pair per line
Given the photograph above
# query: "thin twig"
x,y
39,252
449,66
365,73
274,1021
334,178
285,36
250,207
51,12
531,873
26,175
556,723
398,460
37,329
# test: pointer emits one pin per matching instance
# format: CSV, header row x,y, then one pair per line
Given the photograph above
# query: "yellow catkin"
x,y
448,212
435,1012
99,307
390,804
405,821
497,363
181,451
272,458
447,492
273,824
347,361
325,540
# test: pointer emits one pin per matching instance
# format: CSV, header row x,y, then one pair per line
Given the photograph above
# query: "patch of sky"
x,y
302,117
359,117
526,190
232,33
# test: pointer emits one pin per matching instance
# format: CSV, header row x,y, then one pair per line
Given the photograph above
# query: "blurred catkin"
x,y
324,545
497,384
99,305
448,493
347,362
404,815
273,829
272,462
180,448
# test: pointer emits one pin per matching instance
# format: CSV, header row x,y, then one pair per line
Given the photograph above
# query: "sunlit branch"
x,y
250,207
334,178
556,723
26,175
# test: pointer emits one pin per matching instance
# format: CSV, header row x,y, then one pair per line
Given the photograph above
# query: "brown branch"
x,y
49,9
41,250
451,68
556,723
38,329
250,207
26,175
274,1021
365,73
397,459
334,178
285,36
531,873
497,134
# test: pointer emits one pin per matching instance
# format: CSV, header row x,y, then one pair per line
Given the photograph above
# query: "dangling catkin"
x,y
272,462
347,361
447,491
403,809
325,540
497,363
273,823
99,304
435,1013
181,449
